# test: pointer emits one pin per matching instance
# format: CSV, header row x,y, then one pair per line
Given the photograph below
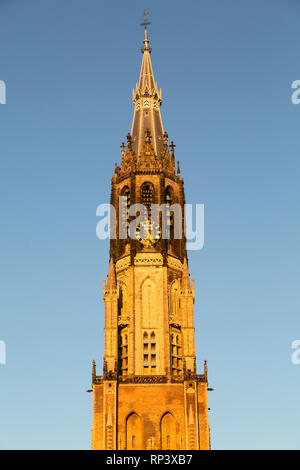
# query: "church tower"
x,y
149,396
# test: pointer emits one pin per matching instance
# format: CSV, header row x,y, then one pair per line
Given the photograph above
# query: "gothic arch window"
x,y
123,329
123,300
147,196
175,333
169,194
169,200
123,351
168,432
134,432
145,341
176,350
149,351
125,192
146,352
153,353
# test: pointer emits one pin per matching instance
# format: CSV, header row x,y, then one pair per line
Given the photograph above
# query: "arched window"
x,y
149,350
176,351
134,436
146,353
123,351
153,353
169,214
168,432
125,192
147,196
123,329
123,300
169,195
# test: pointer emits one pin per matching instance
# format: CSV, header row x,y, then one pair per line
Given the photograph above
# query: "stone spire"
x,y
146,101
111,279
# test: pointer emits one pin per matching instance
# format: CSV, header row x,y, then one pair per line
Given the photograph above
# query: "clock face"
x,y
148,233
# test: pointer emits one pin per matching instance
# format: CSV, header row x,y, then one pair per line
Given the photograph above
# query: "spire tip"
x,y
146,40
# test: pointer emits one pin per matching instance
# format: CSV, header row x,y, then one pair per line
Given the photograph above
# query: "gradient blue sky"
x,y
225,69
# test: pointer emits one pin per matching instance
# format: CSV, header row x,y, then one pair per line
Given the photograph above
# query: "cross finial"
x,y
172,146
129,141
123,149
145,23
146,41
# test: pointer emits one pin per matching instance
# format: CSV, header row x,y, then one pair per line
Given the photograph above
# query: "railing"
x,y
149,379
141,379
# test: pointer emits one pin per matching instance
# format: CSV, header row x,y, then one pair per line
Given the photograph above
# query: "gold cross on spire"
x,y
145,23
146,41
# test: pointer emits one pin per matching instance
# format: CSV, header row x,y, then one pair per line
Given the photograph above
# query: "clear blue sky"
x,y
225,69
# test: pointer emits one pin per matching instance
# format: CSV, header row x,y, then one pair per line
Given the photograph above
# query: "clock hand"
x,y
149,236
